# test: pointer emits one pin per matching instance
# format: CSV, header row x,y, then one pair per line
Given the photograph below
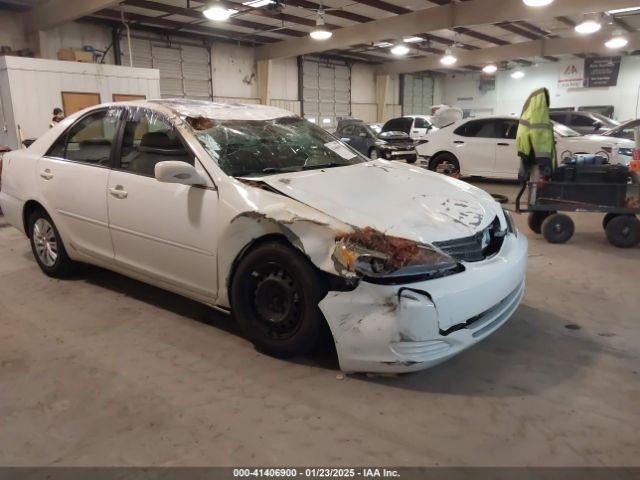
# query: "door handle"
x,y
118,192
458,142
503,144
46,174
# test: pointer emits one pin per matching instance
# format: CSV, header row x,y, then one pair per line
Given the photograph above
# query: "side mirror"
x,y
597,126
178,172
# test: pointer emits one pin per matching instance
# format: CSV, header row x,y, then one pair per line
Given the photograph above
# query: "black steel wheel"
x,y
623,231
558,228
535,220
274,297
607,218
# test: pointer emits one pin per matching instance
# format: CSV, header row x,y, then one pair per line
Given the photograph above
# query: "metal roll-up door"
x,y
417,95
326,92
185,70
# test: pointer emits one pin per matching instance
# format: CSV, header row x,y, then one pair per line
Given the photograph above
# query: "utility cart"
x,y
612,190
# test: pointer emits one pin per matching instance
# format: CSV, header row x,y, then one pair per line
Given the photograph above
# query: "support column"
x,y
382,84
263,74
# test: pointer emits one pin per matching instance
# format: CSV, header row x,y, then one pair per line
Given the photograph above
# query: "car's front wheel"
x,y
274,297
445,163
47,246
373,154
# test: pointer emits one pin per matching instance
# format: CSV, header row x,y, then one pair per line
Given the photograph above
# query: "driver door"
x,y
165,231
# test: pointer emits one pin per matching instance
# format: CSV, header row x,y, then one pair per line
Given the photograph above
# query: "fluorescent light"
x,y
312,119
589,25
490,69
400,49
617,41
449,58
320,32
537,3
326,120
413,39
382,44
217,12
517,75
622,10
258,3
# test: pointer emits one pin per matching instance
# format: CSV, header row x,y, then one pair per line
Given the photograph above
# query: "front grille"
x,y
476,248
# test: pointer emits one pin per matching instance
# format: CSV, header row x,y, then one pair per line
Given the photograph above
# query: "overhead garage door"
x,y
326,92
185,70
417,95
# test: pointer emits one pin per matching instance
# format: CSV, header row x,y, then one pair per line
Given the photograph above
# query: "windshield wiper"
x,y
323,165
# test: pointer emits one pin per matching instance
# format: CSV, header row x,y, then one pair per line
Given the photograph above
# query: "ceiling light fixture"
x,y
400,49
618,40
320,32
537,3
589,25
449,58
258,3
517,75
413,39
217,12
490,69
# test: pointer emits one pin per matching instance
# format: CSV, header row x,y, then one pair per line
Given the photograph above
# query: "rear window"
x,y
478,128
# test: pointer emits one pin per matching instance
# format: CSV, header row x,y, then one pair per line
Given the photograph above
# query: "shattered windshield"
x,y
266,147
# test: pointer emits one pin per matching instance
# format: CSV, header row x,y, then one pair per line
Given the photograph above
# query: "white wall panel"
x,y
35,87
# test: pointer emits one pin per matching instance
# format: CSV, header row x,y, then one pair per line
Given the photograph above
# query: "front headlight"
x,y
511,226
380,142
626,151
380,258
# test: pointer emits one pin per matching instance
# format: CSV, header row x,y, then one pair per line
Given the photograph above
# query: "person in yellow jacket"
x,y
535,140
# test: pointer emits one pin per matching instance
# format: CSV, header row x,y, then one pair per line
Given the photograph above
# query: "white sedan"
x,y
486,147
254,210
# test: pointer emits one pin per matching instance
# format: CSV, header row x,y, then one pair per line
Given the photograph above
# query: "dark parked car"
x,y
389,145
626,130
584,123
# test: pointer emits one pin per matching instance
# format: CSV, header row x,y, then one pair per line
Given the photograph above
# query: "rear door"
x,y
507,160
73,180
474,144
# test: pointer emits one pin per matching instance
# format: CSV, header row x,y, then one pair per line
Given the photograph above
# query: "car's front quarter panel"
x,y
402,328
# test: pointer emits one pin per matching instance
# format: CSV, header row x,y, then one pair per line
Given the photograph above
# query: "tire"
x,y
558,228
445,163
412,160
373,154
535,220
47,246
607,218
274,297
623,231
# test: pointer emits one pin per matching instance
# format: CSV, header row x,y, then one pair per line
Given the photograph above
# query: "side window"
x,y
359,130
582,121
420,123
347,131
149,139
89,140
508,130
478,128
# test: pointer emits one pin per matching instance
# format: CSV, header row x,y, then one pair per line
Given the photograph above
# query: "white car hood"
x,y
600,139
394,198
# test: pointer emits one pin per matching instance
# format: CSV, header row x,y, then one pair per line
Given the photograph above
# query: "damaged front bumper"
x,y
404,328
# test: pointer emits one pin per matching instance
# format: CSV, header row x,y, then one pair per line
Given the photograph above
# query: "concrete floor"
x,y
102,370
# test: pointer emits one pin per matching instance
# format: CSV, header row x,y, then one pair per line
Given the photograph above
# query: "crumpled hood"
x,y
394,198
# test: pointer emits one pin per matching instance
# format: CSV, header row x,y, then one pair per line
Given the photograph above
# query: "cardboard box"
x,y
66,54
82,56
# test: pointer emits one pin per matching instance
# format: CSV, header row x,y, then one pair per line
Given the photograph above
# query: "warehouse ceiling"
x,y
294,19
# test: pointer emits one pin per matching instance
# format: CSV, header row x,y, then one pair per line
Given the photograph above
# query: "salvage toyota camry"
x,y
257,211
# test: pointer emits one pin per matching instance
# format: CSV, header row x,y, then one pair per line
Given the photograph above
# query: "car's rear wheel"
x,y
445,163
274,296
47,246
